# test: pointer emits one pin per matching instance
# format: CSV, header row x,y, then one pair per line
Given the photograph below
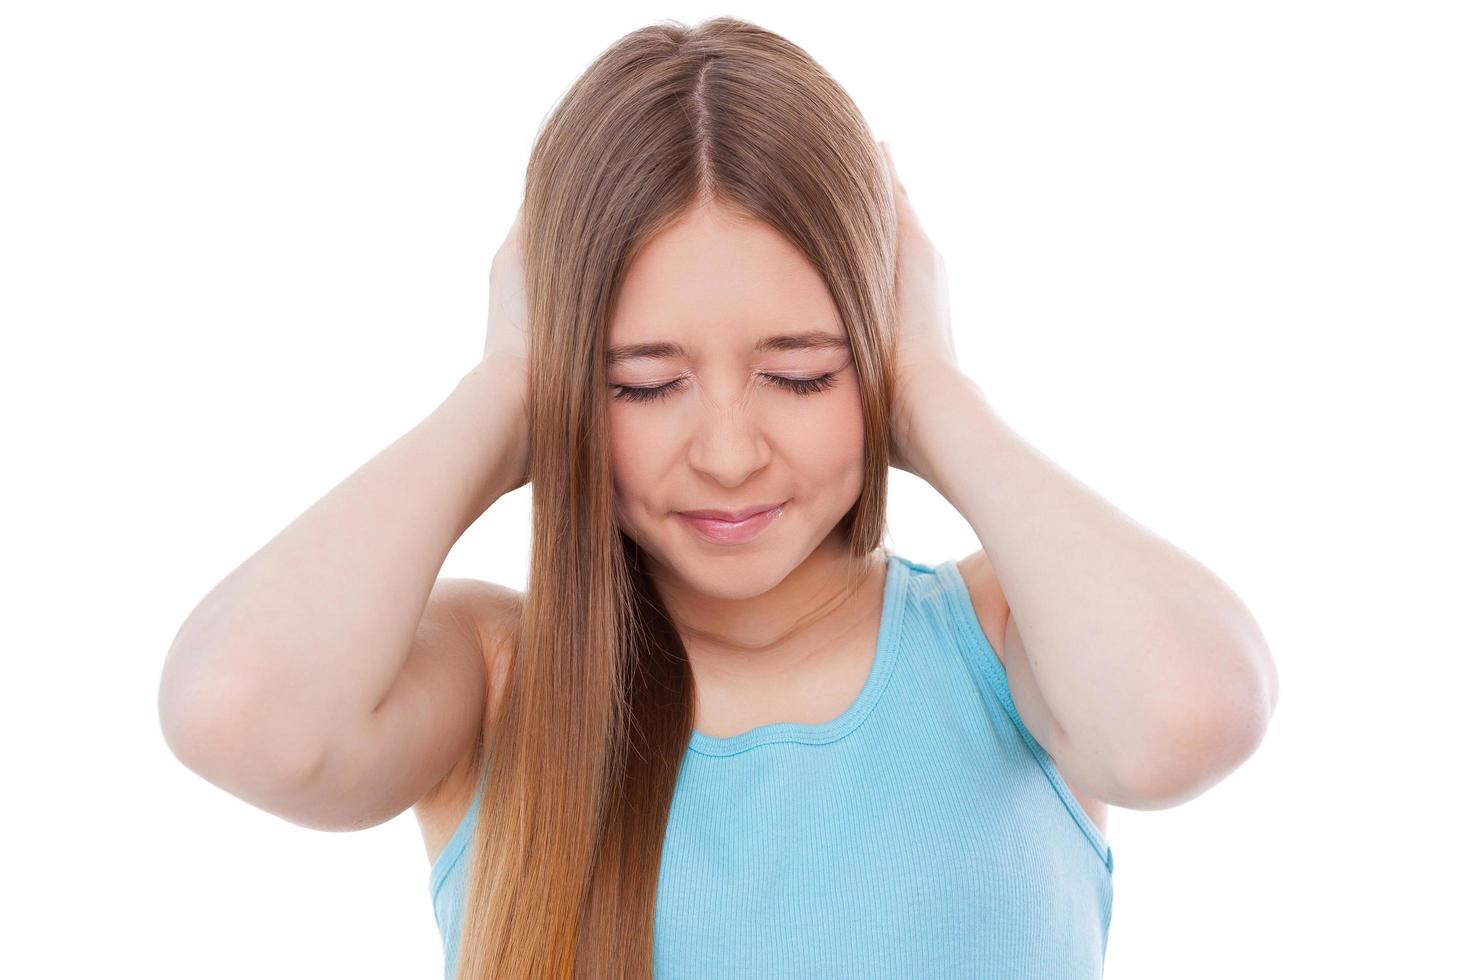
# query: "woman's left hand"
x,y
924,350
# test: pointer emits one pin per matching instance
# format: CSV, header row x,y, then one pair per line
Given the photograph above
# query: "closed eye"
x,y
798,386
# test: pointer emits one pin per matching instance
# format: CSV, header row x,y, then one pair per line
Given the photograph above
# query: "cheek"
x,y
633,460
621,456
829,445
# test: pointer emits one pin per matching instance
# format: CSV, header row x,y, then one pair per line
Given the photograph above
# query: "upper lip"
x,y
729,515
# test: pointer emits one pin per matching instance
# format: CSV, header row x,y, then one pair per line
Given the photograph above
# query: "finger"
x,y
904,210
890,163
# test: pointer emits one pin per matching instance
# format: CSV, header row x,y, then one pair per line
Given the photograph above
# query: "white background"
x,y
1214,259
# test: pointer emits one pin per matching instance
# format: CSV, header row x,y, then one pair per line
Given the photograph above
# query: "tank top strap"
x,y
983,656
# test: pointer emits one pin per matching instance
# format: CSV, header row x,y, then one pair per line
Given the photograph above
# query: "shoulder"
x,y
988,601
492,613
494,610
992,610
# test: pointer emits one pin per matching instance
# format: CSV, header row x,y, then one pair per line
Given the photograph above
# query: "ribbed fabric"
x,y
924,832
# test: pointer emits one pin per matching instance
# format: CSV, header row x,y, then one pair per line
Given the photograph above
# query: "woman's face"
x,y
707,411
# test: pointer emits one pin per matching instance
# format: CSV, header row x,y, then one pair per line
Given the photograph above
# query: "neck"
x,y
813,611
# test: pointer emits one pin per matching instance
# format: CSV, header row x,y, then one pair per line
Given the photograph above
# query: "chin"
x,y
731,582
723,571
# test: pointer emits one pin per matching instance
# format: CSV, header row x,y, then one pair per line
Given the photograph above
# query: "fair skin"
x,y
1190,682
1138,670
1142,673
335,679
770,625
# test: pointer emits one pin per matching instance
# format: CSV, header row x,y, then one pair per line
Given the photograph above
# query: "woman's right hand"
x,y
506,356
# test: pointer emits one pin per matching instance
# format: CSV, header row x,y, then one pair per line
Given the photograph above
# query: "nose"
x,y
728,444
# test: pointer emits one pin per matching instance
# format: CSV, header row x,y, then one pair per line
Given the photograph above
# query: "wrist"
x,y
488,410
944,416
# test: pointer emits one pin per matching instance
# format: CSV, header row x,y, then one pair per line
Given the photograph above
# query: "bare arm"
x,y
276,683
331,678
1144,675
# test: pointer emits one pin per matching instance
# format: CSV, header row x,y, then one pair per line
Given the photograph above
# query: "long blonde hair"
x,y
599,704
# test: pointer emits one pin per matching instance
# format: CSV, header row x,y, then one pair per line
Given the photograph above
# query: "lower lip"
x,y
728,532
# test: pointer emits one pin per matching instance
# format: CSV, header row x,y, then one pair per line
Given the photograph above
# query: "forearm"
x,y
305,637
1134,645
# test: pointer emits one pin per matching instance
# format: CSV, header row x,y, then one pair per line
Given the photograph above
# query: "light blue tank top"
x,y
924,832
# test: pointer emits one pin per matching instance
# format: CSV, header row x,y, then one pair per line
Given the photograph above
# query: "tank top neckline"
x,y
897,573
897,579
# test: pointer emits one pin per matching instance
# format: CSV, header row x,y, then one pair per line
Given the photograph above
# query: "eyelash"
x,y
798,386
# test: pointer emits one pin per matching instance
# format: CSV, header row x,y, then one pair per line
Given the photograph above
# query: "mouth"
x,y
732,527
730,516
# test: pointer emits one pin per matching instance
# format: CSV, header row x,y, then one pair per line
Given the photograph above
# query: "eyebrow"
x,y
814,340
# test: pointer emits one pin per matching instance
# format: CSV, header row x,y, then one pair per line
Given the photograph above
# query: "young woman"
x,y
725,732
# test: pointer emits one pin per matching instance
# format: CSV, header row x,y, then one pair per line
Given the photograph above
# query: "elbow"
x,y
218,727
1197,741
